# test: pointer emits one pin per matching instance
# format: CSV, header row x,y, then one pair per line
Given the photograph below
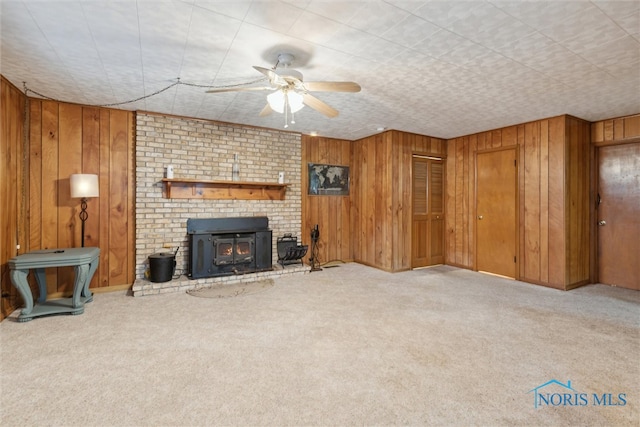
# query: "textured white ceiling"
x,y
438,68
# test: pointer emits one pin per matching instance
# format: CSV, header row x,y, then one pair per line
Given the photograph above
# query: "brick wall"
x,y
204,150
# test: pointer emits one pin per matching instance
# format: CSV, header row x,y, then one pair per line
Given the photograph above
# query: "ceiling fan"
x,y
290,92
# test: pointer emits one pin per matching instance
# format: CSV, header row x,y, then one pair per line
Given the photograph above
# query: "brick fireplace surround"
x,y
200,149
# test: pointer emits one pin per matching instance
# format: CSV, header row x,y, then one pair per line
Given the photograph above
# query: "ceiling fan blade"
x,y
239,89
318,105
332,86
266,111
273,77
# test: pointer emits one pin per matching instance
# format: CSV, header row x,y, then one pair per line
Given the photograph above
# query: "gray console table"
x,y
83,260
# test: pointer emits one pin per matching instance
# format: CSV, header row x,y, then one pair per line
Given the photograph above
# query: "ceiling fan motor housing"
x,y
289,72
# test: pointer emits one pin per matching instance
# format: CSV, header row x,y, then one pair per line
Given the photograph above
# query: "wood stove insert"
x,y
227,246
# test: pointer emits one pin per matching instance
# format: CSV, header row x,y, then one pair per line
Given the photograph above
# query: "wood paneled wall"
x,y
373,225
65,139
381,195
12,197
460,188
331,213
579,213
553,192
616,131
371,193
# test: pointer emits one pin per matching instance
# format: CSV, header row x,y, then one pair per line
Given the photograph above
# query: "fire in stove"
x,y
233,249
243,248
226,250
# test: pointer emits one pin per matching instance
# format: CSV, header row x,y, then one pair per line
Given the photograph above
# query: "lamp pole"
x,y
84,186
83,216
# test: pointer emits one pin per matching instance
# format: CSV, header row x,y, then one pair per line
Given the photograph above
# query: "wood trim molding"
x,y
617,142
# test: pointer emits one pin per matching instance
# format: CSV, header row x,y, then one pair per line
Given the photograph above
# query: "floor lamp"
x,y
84,186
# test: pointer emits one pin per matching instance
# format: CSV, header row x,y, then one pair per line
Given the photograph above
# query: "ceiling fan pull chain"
x,y
286,110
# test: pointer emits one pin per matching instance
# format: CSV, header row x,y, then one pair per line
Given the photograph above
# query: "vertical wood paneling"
x,y
473,144
608,131
459,202
13,230
381,196
510,136
50,176
90,164
578,202
530,226
544,201
331,213
398,236
131,196
102,219
520,140
376,174
496,137
356,201
70,131
545,196
345,231
597,131
118,179
557,242
35,173
482,141
408,144
388,236
450,200
66,139
631,127
467,222
618,128
372,200
616,131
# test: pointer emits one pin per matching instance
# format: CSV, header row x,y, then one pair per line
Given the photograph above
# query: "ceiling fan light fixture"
x,y
276,101
289,94
295,101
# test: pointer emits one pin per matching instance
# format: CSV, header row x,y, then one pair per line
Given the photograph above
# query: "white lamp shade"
x,y
295,101
84,185
277,104
276,101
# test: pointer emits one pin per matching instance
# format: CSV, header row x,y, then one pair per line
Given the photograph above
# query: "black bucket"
x,y
162,266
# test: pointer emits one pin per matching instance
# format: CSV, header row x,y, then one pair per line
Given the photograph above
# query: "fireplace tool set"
x,y
315,235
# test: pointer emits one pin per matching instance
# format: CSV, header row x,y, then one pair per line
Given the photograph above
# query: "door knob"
x,y
602,222
480,216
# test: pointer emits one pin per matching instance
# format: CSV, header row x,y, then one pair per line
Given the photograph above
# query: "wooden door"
x,y
619,215
496,220
428,212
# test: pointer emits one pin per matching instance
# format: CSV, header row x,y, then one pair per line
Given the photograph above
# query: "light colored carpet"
x,y
234,290
349,345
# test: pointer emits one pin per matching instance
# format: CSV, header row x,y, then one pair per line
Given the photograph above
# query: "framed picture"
x,y
328,180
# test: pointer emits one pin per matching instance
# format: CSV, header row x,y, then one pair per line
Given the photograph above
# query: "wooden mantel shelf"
x,y
178,188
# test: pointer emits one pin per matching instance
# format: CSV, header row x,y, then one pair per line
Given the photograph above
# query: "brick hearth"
x,y
143,287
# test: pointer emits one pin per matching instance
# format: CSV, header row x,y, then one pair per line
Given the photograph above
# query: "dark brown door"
x,y
619,215
428,212
496,221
